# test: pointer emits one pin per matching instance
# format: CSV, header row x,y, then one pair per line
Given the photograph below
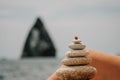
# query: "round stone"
x,y
76,73
76,41
76,61
77,53
77,46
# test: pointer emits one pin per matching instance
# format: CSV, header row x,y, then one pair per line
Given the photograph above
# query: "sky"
x,y
96,22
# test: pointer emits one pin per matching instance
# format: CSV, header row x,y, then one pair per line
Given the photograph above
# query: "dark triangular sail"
x,y
38,43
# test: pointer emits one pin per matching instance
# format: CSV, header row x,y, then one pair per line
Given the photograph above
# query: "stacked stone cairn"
x,y
75,66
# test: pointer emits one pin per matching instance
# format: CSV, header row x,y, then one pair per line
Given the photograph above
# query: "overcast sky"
x,y
96,22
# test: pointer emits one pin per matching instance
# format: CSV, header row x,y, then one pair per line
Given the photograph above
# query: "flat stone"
x,y
77,53
76,41
76,73
76,61
77,46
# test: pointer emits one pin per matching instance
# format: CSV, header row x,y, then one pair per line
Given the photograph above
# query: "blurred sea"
x,y
28,69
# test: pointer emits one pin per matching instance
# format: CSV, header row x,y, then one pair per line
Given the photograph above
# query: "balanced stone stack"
x,y
76,64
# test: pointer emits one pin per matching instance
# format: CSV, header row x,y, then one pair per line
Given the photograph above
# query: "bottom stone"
x,y
76,73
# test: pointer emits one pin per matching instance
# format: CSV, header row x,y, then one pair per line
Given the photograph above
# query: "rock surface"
x,y
38,42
